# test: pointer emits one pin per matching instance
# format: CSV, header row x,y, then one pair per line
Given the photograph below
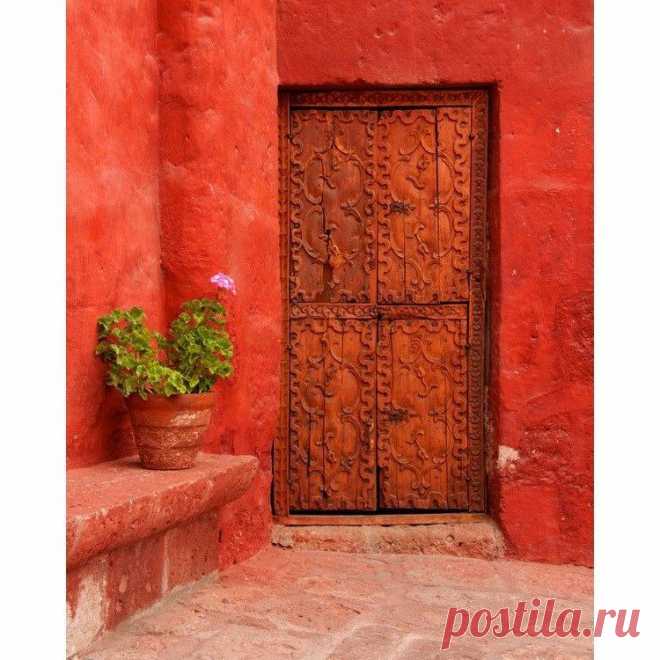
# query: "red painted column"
x,y
218,205
113,233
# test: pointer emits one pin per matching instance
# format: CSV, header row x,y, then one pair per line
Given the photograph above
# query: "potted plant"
x,y
167,381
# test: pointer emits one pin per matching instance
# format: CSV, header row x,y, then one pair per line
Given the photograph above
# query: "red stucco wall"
x,y
113,246
218,193
172,176
537,56
183,169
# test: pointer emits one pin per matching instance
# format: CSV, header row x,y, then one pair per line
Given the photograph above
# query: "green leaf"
x,y
197,352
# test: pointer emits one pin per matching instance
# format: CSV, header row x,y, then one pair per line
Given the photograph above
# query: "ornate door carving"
x,y
422,405
423,224
332,435
333,237
382,203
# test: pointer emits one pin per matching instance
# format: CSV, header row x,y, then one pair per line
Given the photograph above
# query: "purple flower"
x,y
223,281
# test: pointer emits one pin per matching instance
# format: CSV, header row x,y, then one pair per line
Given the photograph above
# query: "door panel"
x,y
423,223
333,234
422,402
332,428
408,164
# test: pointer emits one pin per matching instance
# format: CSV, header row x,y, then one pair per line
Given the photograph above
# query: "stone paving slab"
x,y
322,605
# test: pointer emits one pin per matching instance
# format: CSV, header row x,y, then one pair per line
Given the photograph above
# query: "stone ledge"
x,y
133,535
482,539
119,503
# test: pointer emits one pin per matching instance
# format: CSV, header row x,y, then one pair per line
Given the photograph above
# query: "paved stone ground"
x,y
315,604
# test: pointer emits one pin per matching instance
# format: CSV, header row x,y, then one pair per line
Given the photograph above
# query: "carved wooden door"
x,y
383,242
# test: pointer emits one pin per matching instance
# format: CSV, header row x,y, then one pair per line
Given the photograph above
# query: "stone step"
x,y
480,538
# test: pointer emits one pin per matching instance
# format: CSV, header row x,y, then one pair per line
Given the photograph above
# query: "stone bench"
x,y
135,534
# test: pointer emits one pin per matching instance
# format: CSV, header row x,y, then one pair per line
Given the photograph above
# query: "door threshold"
x,y
382,519
457,534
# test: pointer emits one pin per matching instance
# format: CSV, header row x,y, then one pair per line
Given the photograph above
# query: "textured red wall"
x,y
537,56
218,194
172,157
113,252
205,147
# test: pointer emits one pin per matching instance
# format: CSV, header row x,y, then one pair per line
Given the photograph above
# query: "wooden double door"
x,y
382,204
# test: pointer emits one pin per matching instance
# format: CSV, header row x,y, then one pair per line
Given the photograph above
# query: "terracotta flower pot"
x,y
169,430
